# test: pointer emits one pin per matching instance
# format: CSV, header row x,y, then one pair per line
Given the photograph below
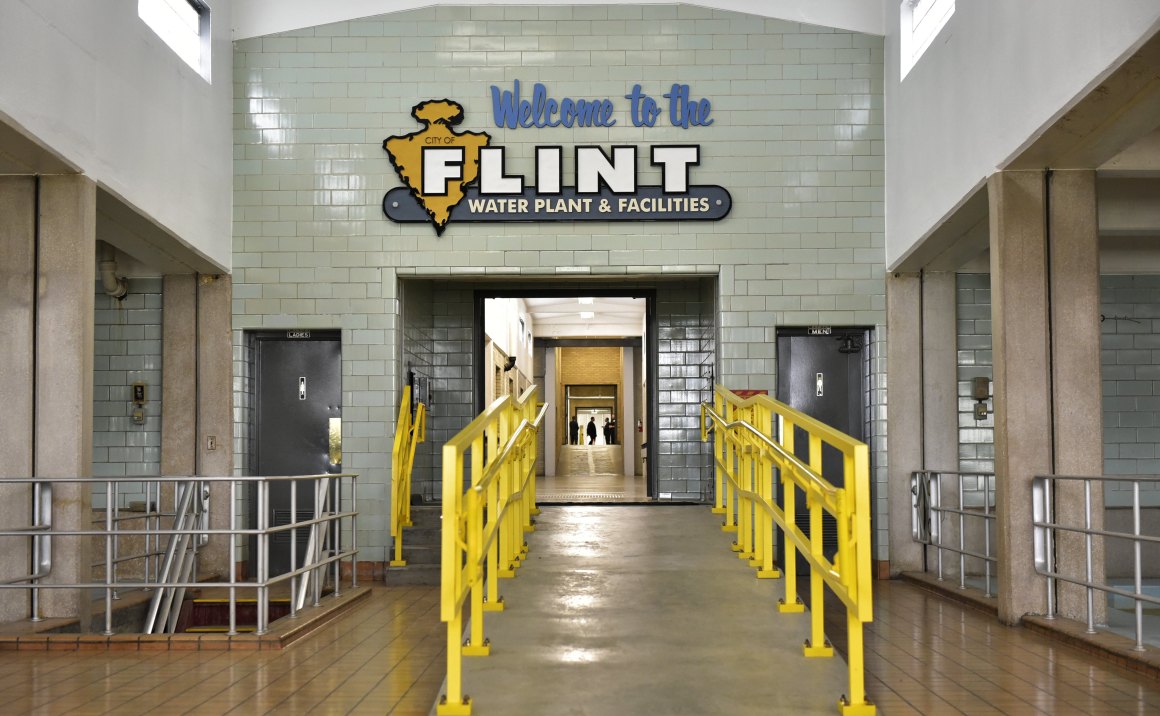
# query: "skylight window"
x,y
920,21
184,26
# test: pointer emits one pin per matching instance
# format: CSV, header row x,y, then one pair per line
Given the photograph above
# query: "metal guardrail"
x,y
180,559
753,447
484,524
972,507
330,534
1047,533
410,430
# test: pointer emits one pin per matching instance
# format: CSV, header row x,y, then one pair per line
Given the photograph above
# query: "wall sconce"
x,y
980,392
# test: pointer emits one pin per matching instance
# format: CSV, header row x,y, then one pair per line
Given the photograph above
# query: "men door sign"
x,y
459,176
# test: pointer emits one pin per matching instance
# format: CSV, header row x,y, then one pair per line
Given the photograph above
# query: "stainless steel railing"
x,y
955,512
330,536
1047,534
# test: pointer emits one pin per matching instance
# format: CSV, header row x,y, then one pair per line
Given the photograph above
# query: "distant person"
x,y
574,431
591,430
612,432
607,434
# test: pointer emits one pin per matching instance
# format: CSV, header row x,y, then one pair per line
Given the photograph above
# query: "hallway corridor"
x,y
590,474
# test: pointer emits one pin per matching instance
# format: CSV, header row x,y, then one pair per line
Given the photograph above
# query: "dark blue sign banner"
x,y
647,203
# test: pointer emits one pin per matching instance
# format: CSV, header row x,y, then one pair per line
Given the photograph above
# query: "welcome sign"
x,y
460,176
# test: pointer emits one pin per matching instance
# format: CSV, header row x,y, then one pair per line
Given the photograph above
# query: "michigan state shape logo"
x,y
437,163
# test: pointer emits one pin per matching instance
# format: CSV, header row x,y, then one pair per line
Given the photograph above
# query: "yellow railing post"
x,y
744,505
817,646
409,432
730,473
791,603
494,600
483,525
453,702
474,499
747,453
766,569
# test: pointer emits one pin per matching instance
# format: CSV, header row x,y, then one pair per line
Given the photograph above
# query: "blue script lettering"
x,y
642,109
684,112
509,110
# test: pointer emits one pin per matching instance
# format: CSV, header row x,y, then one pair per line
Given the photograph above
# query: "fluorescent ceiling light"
x,y
587,315
586,300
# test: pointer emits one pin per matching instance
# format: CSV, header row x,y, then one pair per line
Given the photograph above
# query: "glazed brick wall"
x,y
797,139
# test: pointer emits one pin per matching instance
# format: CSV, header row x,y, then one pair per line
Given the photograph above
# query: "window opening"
x,y
184,26
920,21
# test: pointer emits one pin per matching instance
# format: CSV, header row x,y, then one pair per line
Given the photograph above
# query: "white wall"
x,y
997,73
502,325
93,83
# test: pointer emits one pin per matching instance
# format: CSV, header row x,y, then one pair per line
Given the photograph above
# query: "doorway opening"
x,y
585,350
449,348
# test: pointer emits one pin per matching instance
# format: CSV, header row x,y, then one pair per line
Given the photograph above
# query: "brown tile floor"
x,y
924,655
386,657
928,655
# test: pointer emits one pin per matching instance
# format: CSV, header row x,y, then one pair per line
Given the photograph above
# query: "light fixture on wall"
x,y
980,392
849,344
509,363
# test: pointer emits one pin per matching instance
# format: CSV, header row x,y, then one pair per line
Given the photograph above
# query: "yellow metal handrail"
x,y
485,515
410,430
749,456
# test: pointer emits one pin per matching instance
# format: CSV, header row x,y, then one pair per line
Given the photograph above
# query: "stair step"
x,y
426,538
422,554
426,516
212,612
421,574
225,600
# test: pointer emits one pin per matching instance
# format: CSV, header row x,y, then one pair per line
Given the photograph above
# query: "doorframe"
x,y
576,290
864,334
254,340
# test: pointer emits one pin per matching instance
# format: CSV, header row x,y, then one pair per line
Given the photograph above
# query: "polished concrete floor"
x,y
644,610
925,655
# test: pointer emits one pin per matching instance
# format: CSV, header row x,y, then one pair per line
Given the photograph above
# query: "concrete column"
x,y
64,377
904,418
215,427
1022,387
1075,351
940,399
550,431
625,426
17,281
940,417
179,368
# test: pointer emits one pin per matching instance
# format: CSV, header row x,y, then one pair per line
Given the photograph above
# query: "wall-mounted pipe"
x,y
113,285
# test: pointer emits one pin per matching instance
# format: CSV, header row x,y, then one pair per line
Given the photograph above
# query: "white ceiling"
x,y
559,317
254,18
